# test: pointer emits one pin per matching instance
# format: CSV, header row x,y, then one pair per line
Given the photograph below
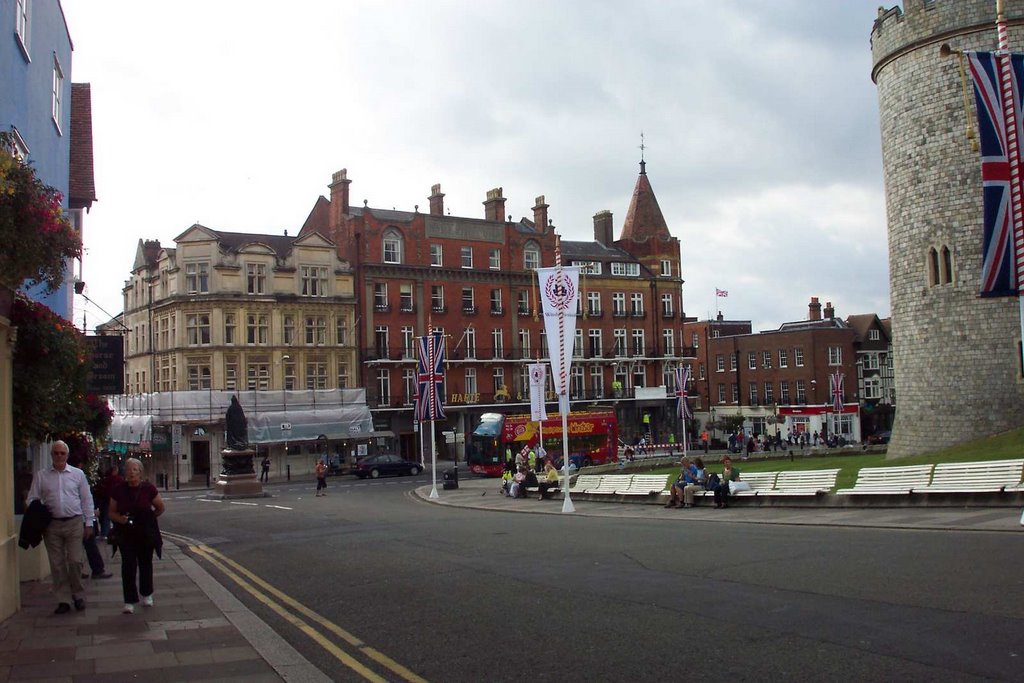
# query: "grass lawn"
x,y
1008,445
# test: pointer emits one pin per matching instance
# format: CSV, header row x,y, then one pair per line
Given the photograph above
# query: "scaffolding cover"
x,y
334,413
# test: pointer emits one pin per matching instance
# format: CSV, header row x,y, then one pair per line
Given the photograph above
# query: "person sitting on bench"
x,y
550,480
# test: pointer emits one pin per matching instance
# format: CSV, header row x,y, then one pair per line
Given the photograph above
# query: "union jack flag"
x,y
999,128
431,377
837,380
682,405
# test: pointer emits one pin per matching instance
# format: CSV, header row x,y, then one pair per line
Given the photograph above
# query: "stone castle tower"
x,y
956,356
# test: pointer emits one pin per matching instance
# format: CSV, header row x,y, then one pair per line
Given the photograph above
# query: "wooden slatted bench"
x,y
803,483
760,482
875,481
645,485
584,482
990,476
610,484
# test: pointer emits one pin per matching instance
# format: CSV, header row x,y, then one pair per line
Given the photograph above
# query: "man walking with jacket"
x,y
64,490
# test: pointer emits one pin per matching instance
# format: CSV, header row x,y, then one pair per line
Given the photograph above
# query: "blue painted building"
x,y
35,106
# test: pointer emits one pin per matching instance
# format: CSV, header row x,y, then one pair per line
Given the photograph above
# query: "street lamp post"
x,y
284,397
814,394
712,424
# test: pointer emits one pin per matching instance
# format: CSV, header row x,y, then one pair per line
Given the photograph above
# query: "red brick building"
x,y
631,327
778,380
473,279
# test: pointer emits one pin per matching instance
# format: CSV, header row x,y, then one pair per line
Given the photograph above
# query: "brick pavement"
x,y
195,631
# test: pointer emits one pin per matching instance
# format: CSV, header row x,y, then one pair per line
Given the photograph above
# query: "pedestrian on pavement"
x,y
321,478
134,506
101,495
704,440
64,490
265,469
93,554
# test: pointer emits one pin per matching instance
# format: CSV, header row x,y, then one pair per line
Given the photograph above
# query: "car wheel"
x,y
374,473
414,470
587,462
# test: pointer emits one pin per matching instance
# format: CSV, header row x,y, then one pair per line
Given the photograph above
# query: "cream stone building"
x,y
268,318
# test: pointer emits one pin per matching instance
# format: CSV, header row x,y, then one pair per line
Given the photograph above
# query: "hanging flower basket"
x,y
35,236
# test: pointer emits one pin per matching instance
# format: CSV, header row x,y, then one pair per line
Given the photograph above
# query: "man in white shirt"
x,y
64,490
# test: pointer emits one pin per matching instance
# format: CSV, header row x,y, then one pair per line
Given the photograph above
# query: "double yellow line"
x,y
303,618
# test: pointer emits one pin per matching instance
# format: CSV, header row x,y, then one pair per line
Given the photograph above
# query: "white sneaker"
x,y
128,608
147,600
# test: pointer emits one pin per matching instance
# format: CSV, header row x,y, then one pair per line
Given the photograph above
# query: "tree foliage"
x,y
35,236
51,364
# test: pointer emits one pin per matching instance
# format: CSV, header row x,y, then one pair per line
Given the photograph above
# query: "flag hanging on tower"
x,y
997,91
431,377
837,381
682,404
721,292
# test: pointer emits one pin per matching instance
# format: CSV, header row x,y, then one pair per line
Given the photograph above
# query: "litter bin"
x,y
451,478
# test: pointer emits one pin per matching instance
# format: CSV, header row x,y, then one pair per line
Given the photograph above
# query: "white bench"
x,y
991,476
760,482
645,485
804,483
584,482
609,484
875,481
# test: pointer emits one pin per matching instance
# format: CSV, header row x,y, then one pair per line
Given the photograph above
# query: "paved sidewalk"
x,y
196,631
484,494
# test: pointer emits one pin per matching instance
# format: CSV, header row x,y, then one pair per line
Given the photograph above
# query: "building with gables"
x,y
781,380
474,280
269,318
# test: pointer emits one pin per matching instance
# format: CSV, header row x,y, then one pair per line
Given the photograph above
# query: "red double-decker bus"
x,y
593,439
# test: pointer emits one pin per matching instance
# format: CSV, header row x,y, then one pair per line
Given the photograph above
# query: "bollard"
x,y
288,470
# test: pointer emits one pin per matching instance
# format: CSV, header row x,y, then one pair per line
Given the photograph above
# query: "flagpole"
x,y
563,396
1006,75
431,397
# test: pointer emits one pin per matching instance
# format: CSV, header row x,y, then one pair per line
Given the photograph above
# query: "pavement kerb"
x,y
472,491
281,656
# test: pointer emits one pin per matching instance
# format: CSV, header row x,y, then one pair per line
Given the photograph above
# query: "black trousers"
x,y
136,563
722,493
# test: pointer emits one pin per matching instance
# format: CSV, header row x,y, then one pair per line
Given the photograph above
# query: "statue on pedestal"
x,y
237,457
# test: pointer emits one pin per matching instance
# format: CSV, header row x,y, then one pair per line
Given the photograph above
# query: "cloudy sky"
x,y
760,122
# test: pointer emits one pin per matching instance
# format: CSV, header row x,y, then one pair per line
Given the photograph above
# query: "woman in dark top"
x,y
134,507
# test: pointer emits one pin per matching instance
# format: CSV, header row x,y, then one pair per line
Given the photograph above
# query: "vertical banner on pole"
x,y
682,404
559,290
430,390
538,380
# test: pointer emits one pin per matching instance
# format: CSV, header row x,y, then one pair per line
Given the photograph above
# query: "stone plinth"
x,y
238,476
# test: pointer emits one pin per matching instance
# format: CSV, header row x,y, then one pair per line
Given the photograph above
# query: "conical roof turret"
x,y
644,218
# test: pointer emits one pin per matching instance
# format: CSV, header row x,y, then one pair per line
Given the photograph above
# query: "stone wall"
x,y
956,362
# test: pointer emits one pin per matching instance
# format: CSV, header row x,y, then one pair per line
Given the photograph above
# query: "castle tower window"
x,y
933,267
947,265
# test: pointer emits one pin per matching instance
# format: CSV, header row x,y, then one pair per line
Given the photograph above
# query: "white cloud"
x,y
760,120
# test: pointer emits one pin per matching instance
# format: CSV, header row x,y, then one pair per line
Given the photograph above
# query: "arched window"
x,y
946,265
933,267
531,255
392,246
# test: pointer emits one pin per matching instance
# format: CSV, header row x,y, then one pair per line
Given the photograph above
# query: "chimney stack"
x,y
830,312
540,214
436,200
603,227
814,309
339,190
494,207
